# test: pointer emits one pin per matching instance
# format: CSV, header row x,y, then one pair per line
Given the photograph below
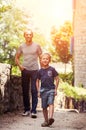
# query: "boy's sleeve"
x,y
55,73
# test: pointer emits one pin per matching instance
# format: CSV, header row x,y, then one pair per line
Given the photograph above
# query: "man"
x,y
30,52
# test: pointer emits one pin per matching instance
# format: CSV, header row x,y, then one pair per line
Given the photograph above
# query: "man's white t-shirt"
x,y
30,55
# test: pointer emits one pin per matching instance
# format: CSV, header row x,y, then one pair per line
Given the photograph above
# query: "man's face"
x,y
28,36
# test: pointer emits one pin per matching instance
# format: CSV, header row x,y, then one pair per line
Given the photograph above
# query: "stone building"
x,y
79,24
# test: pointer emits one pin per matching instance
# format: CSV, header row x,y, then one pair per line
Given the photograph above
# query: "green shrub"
x,y
69,77
15,71
77,93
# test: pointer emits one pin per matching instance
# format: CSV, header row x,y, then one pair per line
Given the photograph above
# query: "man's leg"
x,y
25,89
34,92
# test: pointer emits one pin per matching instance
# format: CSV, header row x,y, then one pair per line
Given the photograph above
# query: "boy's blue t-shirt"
x,y
47,78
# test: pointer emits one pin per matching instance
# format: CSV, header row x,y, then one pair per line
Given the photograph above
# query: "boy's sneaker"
x,y
51,121
26,113
45,124
33,115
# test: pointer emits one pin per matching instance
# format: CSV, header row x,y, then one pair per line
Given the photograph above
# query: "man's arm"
x,y
17,61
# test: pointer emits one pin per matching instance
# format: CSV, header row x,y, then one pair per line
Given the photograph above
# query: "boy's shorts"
x,y
47,98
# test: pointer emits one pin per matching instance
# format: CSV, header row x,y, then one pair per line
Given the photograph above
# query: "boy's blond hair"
x,y
46,54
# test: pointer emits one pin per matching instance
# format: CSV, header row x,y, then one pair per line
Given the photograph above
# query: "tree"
x,y
12,23
61,41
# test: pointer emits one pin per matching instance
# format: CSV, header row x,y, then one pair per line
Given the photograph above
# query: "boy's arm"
x,y
37,84
56,84
38,87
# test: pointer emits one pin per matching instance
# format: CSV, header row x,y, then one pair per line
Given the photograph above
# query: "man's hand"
x,y
21,67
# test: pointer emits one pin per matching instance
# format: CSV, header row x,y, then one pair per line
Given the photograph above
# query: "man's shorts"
x,y
47,98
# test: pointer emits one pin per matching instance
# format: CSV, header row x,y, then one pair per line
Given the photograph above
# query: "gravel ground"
x,y
64,120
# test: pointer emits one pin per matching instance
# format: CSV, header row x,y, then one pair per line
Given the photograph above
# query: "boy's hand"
x,y
39,94
55,92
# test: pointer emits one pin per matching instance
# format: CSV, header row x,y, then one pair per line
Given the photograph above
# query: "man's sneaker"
x,y
33,115
26,113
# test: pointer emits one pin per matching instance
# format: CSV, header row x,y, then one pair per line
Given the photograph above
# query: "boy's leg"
x,y
51,110
44,97
51,107
45,114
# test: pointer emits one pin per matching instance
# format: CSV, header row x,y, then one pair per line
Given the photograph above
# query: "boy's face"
x,y
45,59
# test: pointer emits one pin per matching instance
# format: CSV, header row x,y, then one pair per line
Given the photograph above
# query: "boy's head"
x,y
45,59
46,55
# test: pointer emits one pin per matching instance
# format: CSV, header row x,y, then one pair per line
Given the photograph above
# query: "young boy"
x,y
48,89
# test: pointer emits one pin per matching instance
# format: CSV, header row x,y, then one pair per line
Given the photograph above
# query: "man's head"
x,y
28,34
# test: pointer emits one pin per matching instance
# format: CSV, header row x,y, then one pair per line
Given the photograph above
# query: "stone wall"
x,y
80,42
10,90
16,101
4,87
